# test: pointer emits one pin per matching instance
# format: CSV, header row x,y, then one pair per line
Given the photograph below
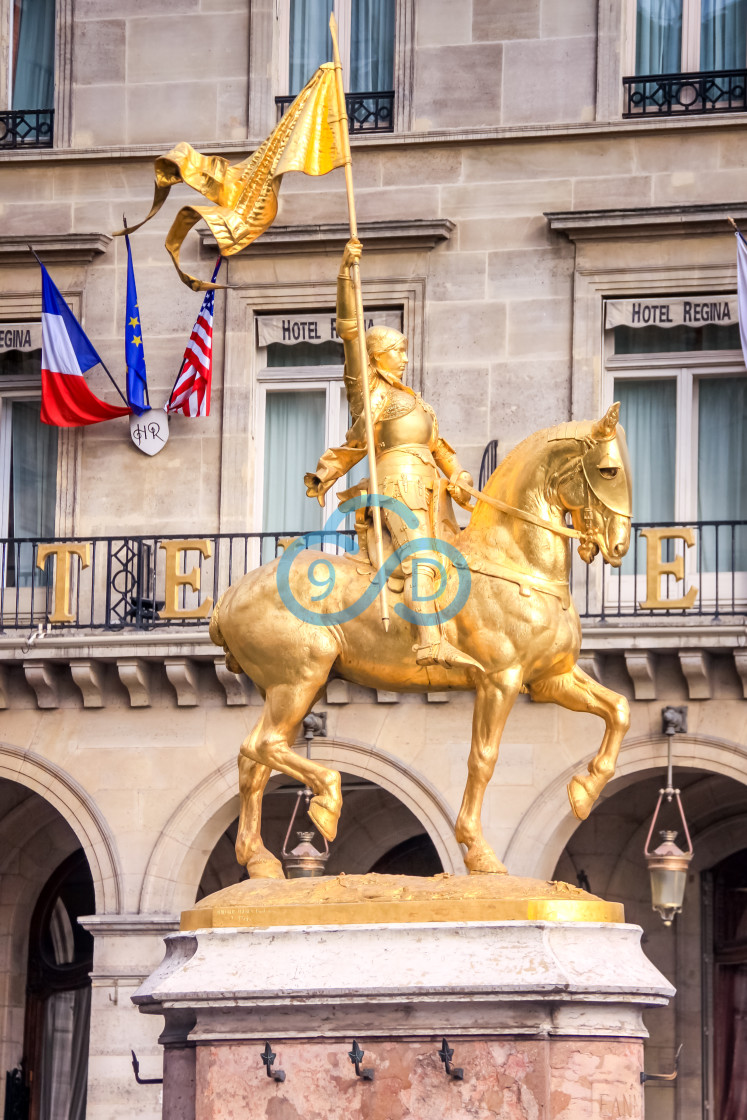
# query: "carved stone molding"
x,y
740,661
384,697
134,674
591,663
408,233
695,665
236,686
640,666
59,248
183,676
43,679
648,221
338,692
89,678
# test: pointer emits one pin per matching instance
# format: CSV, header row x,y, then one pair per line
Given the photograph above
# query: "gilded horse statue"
x,y
518,622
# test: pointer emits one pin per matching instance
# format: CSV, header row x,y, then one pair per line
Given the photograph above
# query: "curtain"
x,y
33,484
372,46
33,70
57,1056
658,38
723,34
648,412
295,426
64,1059
310,41
722,469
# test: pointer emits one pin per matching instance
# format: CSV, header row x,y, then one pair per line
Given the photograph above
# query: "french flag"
x,y
67,353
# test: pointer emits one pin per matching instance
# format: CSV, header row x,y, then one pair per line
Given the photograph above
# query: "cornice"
x,y
60,248
646,222
414,233
381,141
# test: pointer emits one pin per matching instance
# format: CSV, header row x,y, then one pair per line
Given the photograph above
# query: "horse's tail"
x,y
217,637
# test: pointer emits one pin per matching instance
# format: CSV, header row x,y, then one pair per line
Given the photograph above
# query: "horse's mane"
x,y
540,439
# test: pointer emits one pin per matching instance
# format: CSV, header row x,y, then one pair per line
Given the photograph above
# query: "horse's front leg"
x,y
580,693
494,697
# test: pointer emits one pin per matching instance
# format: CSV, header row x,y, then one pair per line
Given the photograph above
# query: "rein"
x,y
524,515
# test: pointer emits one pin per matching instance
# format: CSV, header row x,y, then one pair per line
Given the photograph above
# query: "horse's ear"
x,y
605,428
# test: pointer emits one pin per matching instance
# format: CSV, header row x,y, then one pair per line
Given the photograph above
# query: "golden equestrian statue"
x,y
409,455
516,628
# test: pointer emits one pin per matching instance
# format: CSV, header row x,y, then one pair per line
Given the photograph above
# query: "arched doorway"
x,y
377,832
700,953
44,974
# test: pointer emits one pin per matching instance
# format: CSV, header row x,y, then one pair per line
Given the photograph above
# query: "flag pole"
x,y
355,277
129,257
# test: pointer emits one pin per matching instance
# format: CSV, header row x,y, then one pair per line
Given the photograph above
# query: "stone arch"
x,y
81,813
180,853
548,824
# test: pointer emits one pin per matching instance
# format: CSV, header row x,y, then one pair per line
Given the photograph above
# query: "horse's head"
x,y
596,486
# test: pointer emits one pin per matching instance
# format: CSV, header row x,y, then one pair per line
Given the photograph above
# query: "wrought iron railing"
x,y
27,128
367,112
709,580
488,463
127,582
720,91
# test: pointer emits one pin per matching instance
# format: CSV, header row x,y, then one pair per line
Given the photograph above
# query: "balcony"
x,y
27,128
367,112
720,91
674,576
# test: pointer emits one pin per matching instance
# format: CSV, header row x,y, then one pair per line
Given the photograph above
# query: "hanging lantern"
x,y
668,864
667,867
304,861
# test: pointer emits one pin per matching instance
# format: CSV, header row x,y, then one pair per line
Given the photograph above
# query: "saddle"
x,y
446,529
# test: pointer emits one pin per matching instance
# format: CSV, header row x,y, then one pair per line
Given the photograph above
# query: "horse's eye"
x,y
609,472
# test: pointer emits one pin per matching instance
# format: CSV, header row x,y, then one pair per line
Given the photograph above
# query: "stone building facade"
x,y
544,238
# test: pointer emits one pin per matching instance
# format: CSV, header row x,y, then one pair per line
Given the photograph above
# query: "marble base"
x,y
544,1019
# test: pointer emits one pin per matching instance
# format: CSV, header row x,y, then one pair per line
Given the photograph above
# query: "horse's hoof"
x,y
323,817
265,867
482,860
581,801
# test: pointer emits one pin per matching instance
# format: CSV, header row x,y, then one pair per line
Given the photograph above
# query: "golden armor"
x,y
410,456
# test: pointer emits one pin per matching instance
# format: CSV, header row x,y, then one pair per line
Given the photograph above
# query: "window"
x,y
303,410
676,367
725,983
366,30
58,993
695,43
32,54
677,36
29,70
28,458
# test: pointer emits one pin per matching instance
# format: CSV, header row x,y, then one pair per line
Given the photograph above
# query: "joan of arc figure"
x,y
410,453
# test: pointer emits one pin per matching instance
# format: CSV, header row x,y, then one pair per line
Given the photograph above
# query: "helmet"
x,y
380,339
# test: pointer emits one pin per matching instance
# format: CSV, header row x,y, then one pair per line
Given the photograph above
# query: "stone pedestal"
x,y
544,1018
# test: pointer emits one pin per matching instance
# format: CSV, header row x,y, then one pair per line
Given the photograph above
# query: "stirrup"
x,y
444,653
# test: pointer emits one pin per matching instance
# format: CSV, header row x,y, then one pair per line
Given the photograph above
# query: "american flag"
x,y
191,392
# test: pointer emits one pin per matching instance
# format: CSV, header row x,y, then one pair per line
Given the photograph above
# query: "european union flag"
x,y
137,381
